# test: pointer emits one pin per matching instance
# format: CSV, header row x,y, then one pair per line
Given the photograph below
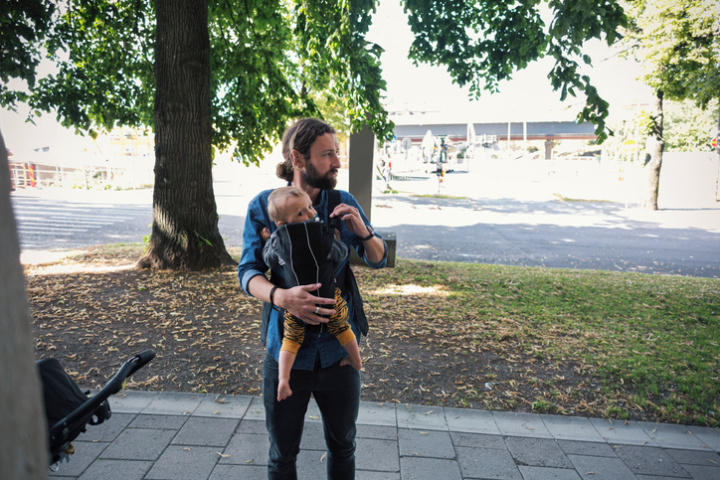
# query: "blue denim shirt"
x,y
251,264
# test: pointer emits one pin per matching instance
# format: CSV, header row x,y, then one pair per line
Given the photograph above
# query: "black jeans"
x,y
337,392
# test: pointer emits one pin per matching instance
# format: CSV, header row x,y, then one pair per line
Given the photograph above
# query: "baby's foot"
x,y
283,390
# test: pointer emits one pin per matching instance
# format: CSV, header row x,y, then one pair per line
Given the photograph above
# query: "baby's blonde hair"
x,y
277,199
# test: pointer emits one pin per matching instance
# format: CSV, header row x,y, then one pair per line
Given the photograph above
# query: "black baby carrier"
x,y
309,244
317,244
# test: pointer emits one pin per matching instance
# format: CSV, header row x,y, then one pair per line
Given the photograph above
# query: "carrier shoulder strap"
x,y
333,201
346,280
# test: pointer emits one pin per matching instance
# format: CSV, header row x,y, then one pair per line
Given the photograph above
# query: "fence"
x,y
27,175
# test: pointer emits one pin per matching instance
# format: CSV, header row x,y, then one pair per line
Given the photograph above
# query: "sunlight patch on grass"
x,y
412,289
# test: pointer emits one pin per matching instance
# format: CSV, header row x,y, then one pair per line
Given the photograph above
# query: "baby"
x,y
308,252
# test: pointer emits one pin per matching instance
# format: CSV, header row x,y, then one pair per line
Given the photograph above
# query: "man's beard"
x,y
315,180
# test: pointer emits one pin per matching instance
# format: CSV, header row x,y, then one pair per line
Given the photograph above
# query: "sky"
x,y
528,96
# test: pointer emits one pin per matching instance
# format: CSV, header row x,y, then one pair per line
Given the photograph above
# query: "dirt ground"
x,y
95,311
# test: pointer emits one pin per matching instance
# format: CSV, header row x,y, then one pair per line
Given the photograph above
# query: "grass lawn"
x,y
652,342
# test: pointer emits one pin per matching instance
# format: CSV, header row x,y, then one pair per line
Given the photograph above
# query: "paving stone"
x,y
367,475
655,477
247,449
313,412
478,440
377,431
165,422
371,413
594,449
108,430
256,410
139,444
622,433
144,440
710,437
313,437
130,401
539,452
117,470
172,403
206,431
417,468
85,454
694,457
701,472
546,473
425,443
650,461
377,455
421,416
571,428
471,421
312,464
184,463
487,463
521,424
239,472
673,436
252,426
224,406
601,468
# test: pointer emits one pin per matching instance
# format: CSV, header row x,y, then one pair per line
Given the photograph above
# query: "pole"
x,y
508,138
360,167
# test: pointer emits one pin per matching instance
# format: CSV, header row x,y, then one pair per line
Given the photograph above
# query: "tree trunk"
x,y
717,136
185,233
717,150
655,147
23,437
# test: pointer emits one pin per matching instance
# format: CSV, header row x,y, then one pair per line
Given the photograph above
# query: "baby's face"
x,y
299,209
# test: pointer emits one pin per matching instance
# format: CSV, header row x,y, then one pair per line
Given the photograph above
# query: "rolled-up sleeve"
x,y
355,242
251,261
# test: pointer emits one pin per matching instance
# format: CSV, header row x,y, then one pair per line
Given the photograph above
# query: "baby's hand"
x,y
265,234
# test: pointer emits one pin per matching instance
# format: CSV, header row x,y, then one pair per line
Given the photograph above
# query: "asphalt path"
x,y
474,219
555,234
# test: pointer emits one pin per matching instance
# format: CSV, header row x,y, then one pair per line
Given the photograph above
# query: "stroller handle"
x,y
131,365
113,386
140,360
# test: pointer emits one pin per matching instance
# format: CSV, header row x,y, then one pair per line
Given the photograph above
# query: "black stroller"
x,y
68,410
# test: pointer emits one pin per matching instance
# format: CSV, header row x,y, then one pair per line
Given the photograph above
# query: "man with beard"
x,y
311,163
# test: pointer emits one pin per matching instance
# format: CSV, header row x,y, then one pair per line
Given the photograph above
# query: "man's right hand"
x,y
303,304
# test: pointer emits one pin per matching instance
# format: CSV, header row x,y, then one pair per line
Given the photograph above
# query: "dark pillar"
x,y
360,172
360,167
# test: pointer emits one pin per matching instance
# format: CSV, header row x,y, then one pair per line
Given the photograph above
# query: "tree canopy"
x,y
678,45
269,59
484,42
23,25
